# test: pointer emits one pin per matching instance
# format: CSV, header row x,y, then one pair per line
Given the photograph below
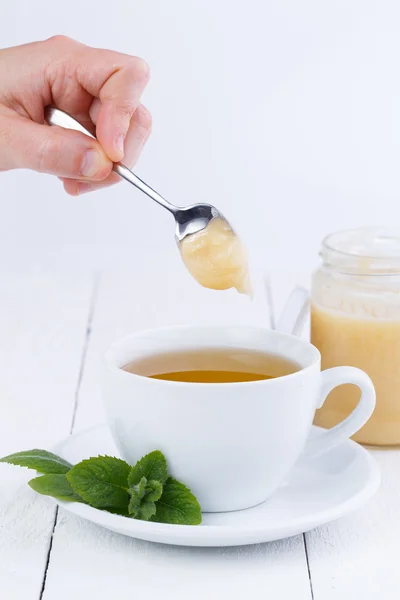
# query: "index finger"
x,y
118,80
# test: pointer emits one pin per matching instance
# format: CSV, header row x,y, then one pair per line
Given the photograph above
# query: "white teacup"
x,y
233,444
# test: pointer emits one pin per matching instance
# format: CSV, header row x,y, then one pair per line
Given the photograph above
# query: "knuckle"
x,y
52,159
139,68
145,118
125,107
48,154
59,40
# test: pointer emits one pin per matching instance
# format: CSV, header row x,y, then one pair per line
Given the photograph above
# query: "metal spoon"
x,y
189,219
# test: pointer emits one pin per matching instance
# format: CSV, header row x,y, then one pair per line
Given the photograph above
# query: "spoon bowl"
x,y
192,219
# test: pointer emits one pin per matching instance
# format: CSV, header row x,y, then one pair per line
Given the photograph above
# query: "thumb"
x,y
54,150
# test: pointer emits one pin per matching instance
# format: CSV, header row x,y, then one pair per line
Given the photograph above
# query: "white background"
x,y
285,114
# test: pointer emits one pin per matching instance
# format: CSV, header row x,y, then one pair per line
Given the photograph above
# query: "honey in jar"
x,y
355,320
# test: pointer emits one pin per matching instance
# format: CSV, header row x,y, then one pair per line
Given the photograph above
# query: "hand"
x,y
94,86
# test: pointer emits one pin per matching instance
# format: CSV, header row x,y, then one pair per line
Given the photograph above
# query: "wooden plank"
x,y
357,556
86,559
42,329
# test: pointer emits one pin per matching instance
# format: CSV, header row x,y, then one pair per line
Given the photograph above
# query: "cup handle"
x,y
294,314
331,378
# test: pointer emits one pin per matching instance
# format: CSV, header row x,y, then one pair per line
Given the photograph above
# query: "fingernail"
x,y
119,144
91,163
82,188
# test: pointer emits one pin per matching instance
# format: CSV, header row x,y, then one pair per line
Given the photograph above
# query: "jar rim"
x,y
366,250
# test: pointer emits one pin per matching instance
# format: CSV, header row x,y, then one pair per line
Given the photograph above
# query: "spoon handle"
x,y
55,116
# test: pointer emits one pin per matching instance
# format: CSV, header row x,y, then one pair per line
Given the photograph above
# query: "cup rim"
x,y
112,365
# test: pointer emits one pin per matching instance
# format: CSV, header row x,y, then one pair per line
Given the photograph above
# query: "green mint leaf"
x,y
146,490
143,496
56,486
101,481
139,490
152,466
177,505
153,491
139,509
145,511
39,460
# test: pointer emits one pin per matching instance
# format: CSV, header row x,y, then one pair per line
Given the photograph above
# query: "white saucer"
x,y
317,491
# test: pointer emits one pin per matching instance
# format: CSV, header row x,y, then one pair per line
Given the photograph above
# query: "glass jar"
x,y
355,320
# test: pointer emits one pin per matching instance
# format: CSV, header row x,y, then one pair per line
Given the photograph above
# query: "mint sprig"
x,y
143,491
144,496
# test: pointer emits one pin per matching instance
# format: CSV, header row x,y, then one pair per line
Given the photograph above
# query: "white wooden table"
x,y
53,332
